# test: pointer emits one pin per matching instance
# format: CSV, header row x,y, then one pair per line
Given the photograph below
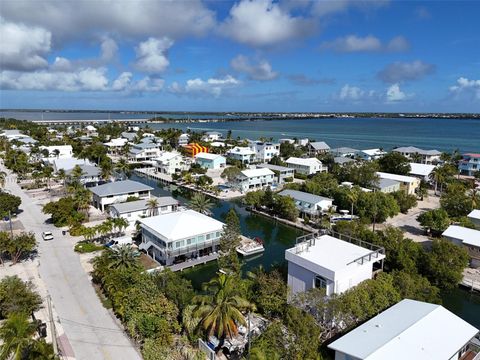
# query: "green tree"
x,y
123,167
254,198
229,241
271,344
124,257
9,204
285,207
230,173
16,334
456,201
444,264
18,246
106,169
416,287
394,163
201,203
270,293
219,309
405,201
17,296
152,205
3,176
175,287
376,207
268,199
434,221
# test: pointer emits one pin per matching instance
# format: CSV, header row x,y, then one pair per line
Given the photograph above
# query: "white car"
x,y
47,235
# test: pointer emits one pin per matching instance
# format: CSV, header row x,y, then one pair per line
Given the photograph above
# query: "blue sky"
x,y
291,55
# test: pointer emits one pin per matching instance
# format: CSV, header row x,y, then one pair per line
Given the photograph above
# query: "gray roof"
x,y
342,160
343,150
303,196
213,133
413,149
27,140
119,187
87,170
129,135
139,205
384,183
320,145
275,167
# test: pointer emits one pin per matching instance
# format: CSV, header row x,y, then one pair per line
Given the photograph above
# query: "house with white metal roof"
x,y
474,217
328,263
114,146
422,171
309,204
407,183
409,330
133,211
118,192
210,161
180,235
370,154
169,162
243,154
144,151
469,238
343,152
90,174
308,166
318,147
212,136
58,151
264,151
254,179
68,163
425,156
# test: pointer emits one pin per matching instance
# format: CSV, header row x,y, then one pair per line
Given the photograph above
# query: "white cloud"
x,y
264,23
354,93
87,79
211,86
262,70
395,94
369,43
128,19
23,47
466,87
148,84
403,71
122,82
329,7
108,49
61,64
152,55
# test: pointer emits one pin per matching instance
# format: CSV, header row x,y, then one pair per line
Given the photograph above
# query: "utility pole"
x,y
10,223
249,335
52,325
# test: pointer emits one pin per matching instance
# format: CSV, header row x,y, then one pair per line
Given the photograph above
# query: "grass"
x,y
87,247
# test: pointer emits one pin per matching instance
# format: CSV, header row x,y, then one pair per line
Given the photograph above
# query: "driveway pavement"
x,y
92,331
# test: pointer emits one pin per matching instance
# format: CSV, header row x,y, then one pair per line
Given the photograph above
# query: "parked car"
x,y
47,235
124,240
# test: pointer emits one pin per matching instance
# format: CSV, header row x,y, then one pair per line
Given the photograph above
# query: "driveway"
x,y
92,331
408,222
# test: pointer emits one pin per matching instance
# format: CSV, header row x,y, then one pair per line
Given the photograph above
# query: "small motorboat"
x,y
251,247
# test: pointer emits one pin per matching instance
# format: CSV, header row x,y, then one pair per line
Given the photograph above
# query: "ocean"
x,y
358,133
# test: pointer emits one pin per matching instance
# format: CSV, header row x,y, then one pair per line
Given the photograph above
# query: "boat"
x,y
251,247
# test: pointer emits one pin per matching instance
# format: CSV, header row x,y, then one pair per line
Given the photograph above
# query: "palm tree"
x,y
56,152
220,308
416,158
106,170
152,205
62,176
201,203
89,233
16,334
436,176
3,177
83,198
353,195
123,167
124,257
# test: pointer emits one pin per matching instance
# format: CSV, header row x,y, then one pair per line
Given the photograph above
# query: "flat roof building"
x,y
474,217
469,238
409,330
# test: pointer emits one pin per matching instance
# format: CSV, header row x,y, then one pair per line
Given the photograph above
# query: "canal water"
x,y
278,237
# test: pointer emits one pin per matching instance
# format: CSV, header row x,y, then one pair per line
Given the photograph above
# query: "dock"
x,y
192,263
471,279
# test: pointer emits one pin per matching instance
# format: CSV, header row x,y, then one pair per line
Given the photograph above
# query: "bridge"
x,y
90,121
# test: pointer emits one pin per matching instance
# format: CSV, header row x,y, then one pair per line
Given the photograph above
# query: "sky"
x,y
248,55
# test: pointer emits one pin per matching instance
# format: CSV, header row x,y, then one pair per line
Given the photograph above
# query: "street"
x,y
92,331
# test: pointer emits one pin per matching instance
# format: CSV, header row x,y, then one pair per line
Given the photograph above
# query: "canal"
x,y
278,237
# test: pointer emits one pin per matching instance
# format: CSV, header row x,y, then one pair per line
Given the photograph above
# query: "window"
x,y
179,244
320,282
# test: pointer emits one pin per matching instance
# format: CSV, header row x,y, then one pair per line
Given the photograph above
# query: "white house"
x,y
212,136
318,147
180,235
169,162
329,263
281,172
407,183
58,151
370,154
470,164
243,154
409,330
90,174
307,166
133,211
183,139
474,217
343,151
13,134
422,171
302,142
286,141
309,204
469,238
118,192
68,163
388,185
426,156
264,151
210,161
254,179
114,146
144,152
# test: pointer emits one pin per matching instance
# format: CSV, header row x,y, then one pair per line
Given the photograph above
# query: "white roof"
x,y
241,150
372,152
181,225
402,178
304,162
57,147
167,156
421,169
257,172
329,253
116,142
475,214
466,235
69,163
208,156
412,330
90,128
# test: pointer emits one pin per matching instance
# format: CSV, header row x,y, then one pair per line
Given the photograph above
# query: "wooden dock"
x,y
192,263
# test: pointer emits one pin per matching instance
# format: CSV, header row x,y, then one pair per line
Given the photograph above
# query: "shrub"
x,y
83,247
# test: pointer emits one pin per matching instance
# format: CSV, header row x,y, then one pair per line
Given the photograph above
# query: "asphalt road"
x,y
92,331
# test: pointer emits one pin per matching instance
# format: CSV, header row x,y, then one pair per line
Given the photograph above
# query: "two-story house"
x,y
470,164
